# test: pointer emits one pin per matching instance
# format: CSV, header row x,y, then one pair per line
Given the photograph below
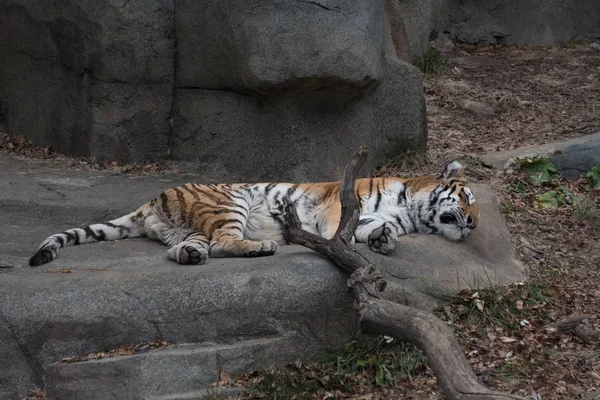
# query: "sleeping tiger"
x,y
246,220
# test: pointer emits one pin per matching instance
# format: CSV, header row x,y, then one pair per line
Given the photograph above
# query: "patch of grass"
x,y
517,186
379,359
407,164
287,383
212,395
432,63
593,177
586,210
496,306
365,362
507,207
474,161
576,41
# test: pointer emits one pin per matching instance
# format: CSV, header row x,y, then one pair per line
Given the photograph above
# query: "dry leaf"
x,y
224,377
519,304
479,304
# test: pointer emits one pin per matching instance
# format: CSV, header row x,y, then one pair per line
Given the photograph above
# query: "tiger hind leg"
x,y
229,243
193,250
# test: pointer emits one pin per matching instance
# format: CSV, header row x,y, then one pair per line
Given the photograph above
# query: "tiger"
x,y
247,220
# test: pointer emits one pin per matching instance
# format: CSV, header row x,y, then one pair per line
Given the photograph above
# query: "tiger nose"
x,y
471,222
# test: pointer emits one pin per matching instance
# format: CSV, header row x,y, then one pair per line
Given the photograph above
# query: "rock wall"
x,y
534,22
531,22
247,91
89,78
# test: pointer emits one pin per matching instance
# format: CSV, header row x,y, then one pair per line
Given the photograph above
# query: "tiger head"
x,y
455,212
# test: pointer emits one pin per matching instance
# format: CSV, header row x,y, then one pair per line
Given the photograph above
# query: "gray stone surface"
x,y
240,88
279,47
575,160
17,377
245,138
90,77
583,149
142,376
533,22
127,292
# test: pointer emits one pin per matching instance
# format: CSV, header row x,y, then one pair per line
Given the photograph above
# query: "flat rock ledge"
x,y
573,157
230,314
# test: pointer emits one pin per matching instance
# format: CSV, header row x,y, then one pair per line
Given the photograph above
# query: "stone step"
x,y
223,393
163,374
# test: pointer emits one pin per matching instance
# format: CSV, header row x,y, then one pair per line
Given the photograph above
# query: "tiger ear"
x,y
453,170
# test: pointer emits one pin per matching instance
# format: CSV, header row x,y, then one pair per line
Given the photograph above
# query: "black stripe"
x,y
268,188
219,211
88,232
370,187
402,197
378,198
192,192
101,235
209,195
292,190
181,200
61,240
357,195
165,205
399,221
365,221
223,222
435,194
236,196
70,237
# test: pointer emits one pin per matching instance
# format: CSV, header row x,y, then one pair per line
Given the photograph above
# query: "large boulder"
x,y
576,159
285,90
230,313
246,90
531,22
89,78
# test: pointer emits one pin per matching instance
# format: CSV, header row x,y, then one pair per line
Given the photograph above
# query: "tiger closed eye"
x,y
447,218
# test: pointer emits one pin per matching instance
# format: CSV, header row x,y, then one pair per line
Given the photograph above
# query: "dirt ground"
x,y
489,99
529,96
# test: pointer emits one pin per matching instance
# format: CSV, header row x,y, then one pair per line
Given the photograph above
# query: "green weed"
x,y
361,362
539,169
432,63
593,177
576,41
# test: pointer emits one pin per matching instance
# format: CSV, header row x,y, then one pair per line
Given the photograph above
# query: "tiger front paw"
x,y
383,239
264,248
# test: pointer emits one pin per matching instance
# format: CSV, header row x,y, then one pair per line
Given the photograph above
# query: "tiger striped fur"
x,y
232,220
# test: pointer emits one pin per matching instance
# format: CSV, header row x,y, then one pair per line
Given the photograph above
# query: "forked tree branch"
x,y
378,316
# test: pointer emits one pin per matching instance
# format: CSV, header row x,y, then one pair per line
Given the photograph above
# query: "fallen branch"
x,y
378,316
565,325
573,324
